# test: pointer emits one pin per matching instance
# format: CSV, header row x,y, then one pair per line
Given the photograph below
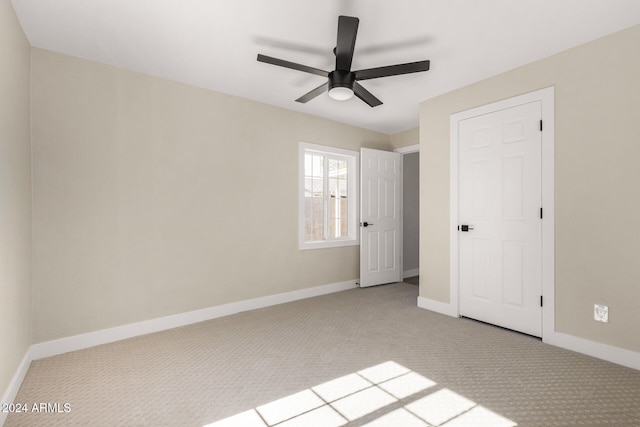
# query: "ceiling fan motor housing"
x,y
341,84
341,78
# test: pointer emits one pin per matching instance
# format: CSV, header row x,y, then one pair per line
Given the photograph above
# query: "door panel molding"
x,y
546,97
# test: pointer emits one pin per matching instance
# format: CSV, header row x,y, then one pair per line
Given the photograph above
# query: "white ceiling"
x,y
214,43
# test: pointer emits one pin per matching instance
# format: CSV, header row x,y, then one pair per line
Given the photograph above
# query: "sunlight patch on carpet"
x,y
379,390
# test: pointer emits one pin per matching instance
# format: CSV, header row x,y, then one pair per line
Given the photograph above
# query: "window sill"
x,y
328,244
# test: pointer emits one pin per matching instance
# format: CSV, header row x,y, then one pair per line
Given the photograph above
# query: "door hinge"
x,y
540,125
541,302
540,213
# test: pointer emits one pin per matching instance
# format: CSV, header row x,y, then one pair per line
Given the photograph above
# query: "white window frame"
x,y
353,173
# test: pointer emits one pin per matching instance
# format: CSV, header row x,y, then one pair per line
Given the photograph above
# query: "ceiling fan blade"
x,y
392,70
292,65
365,95
313,93
347,31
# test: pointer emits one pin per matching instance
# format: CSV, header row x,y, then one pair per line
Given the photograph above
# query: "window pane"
x,y
337,218
314,218
308,164
308,230
308,187
344,230
342,188
318,230
333,167
313,208
333,187
318,209
308,209
333,219
318,187
333,228
342,169
318,166
334,209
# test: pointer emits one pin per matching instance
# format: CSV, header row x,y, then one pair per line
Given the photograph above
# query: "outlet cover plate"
x,y
601,313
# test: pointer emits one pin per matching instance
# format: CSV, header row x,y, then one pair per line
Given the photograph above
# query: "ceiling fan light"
x,y
341,93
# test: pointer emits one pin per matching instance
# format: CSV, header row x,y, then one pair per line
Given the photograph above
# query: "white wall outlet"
x,y
601,313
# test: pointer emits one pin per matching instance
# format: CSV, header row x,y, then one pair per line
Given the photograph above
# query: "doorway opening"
x,y
410,214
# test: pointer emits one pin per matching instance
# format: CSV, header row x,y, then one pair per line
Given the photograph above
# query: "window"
x,y
328,197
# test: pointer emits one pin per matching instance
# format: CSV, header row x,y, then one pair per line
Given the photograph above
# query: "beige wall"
x,y
15,196
404,139
597,158
153,198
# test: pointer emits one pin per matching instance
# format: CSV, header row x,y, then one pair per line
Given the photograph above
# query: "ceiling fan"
x,y
343,83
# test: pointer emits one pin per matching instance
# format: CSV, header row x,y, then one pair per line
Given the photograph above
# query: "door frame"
x,y
546,96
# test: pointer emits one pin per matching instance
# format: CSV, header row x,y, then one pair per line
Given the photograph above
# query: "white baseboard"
x,y
105,336
12,391
411,273
598,350
437,306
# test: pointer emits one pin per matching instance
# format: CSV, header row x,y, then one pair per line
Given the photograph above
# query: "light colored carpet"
x,y
199,374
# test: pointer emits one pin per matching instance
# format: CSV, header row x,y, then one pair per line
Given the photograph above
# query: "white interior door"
x,y
380,217
500,241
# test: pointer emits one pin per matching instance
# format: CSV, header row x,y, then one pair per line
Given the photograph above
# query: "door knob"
x,y
465,227
365,224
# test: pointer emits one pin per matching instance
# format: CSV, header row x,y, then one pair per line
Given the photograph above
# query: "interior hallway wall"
x,y
411,211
